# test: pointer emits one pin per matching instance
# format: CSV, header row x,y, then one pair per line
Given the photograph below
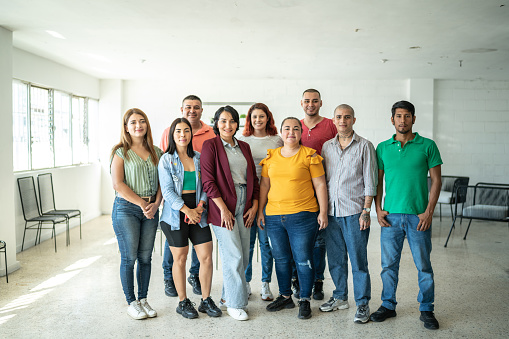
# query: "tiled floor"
x,y
76,293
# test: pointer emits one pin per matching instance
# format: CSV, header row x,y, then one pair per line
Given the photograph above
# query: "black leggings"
x,y
193,232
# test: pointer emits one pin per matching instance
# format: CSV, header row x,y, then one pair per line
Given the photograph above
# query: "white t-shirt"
x,y
259,147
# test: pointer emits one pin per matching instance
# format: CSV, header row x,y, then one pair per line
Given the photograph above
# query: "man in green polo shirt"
x,y
405,159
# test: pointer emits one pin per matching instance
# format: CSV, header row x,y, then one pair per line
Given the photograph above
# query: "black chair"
x,y
47,200
31,212
484,201
3,248
448,195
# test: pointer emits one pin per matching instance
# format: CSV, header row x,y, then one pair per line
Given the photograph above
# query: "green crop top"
x,y
189,181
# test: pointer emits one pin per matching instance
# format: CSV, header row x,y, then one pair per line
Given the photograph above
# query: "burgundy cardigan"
x,y
217,179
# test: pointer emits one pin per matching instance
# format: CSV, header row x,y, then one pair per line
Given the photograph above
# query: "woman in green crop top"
x,y
135,213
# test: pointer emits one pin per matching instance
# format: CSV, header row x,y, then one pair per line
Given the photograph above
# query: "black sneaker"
x,y
304,309
280,303
186,308
430,322
194,280
318,290
169,288
381,314
208,306
296,288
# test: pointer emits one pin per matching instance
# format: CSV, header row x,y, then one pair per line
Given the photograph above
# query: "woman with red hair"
x,y
260,133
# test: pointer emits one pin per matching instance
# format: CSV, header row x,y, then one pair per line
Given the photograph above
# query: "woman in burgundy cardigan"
x,y
230,181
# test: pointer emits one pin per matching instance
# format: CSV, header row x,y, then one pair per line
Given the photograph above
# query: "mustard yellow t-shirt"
x,y
291,189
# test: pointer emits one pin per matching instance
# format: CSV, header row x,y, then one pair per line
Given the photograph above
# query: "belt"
x,y
149,199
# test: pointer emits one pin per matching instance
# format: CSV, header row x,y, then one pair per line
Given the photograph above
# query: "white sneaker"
x,y
136,311
248,290
334,304
237,313
222,304
266,293
151,313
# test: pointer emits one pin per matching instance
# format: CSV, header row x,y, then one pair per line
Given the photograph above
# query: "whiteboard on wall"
x,y
210,108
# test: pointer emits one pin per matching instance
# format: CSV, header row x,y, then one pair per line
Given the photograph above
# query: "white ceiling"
x,y
267,39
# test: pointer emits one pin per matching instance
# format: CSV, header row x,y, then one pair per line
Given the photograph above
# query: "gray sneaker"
x,y
362,314
334,304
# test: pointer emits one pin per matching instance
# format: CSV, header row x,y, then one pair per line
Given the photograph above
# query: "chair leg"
x,y
23,243
450,232
462,206
452,216
440,207
55,237
465,237
68,236
40,232
5,256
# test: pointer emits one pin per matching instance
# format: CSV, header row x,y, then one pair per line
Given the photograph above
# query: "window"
x,y
50,127
20,125
62,118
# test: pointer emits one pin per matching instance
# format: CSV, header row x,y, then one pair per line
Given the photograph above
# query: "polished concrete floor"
x,y
76,293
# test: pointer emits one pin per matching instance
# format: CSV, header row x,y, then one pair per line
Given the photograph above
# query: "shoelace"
x,y
137,307
188,305
146,305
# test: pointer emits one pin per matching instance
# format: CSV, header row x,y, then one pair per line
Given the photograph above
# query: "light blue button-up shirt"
x,y
171,179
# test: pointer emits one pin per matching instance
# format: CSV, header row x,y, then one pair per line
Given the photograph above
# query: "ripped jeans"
x,y
293,235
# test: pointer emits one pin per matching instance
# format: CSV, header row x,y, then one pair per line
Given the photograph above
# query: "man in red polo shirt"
x,y
316,130
191,110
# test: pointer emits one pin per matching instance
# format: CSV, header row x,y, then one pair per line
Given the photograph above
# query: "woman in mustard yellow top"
x,y
291,175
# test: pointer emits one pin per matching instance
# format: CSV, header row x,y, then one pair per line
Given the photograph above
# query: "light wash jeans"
x,y
266,254
391,241
345,239
135,235
234,249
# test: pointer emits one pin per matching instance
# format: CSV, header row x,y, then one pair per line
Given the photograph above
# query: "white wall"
x,y
75,186
472,129
7,231
44,72
371,99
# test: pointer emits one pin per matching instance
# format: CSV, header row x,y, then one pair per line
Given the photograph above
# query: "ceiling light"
x,y
55,34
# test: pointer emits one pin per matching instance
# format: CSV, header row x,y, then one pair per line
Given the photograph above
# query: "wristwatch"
x,y
367,209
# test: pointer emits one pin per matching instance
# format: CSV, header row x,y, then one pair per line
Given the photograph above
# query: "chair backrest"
x,y
461,193
28,197
491,194
46,195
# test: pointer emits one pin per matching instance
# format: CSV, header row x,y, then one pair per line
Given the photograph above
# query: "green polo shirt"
x,y
406,173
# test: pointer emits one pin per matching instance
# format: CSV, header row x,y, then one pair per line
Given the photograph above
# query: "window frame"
x,y
51,112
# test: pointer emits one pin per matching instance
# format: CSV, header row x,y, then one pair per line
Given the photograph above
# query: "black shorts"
x,y
193,232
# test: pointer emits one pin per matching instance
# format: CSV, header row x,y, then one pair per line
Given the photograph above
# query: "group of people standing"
x,y
304,193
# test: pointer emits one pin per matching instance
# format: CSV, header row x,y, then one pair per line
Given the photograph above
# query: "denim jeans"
x,y
168,262
135,235
345,239
266,253
293,235
234,250
319,252
391,242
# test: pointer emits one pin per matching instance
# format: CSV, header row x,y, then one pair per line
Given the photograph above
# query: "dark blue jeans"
x,y
319,252
391,242
345,239
293,235
168,262
135,235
